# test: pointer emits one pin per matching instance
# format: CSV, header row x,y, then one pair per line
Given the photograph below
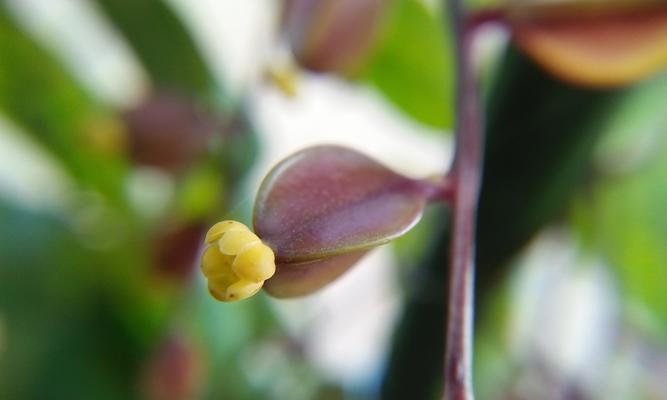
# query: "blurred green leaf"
x,y
629,225
39,94
623,213
493,363
163,45
229,332
200,193
172,59
633,228
541,136
635,131
413,66
60,338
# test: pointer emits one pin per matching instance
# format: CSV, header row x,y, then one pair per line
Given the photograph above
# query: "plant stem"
x,y
467,170
439,188
485,16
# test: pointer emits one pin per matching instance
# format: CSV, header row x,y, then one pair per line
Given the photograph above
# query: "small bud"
x,y
217,230
173,371
317,213
176,247
255,263
332,35
284,77
233,241
168,131
236,261
593,43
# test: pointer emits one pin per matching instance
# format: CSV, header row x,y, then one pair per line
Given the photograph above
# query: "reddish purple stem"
x,y
466,175
486,16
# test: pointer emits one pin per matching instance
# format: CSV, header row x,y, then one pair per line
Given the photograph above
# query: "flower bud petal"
x,y
223,281
220,228
237,264
216,293
215,263
239,290
233,241
242,290
255,263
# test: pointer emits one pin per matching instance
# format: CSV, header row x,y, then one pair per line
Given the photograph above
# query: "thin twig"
x,y
467,170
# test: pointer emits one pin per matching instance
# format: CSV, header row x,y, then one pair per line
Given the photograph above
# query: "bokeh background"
x,y
127,127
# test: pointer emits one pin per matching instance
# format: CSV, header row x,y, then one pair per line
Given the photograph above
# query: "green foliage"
x,y
60,338
413,65
632,232
622,215
84,298
41,96
83,301
163,45
524,190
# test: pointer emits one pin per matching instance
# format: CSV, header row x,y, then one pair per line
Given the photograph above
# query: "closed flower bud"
x,y
173,372
319,211
332,35
325,207
168,131
236,262
593,43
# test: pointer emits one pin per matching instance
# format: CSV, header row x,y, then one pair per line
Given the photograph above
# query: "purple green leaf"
x,y
328,200
300,279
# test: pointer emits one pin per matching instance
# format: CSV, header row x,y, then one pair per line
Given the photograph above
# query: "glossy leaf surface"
x,y
300,279
595,43
328,200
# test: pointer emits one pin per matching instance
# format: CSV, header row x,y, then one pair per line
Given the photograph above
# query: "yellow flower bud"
x,y
232,242
243,289
256,263
220,228
215,263
236,262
